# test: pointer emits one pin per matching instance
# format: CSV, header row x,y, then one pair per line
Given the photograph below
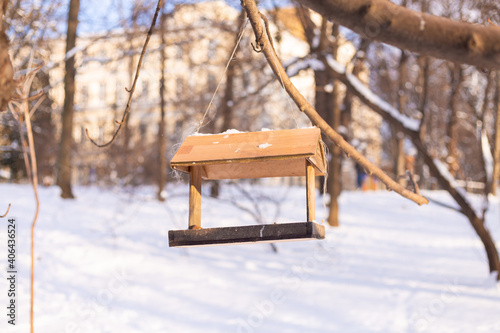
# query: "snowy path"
x,y
103,265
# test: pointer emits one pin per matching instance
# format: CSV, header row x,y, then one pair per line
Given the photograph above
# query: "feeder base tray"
x,y
264,233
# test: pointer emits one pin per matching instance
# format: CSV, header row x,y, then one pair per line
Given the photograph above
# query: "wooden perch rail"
x,y
422,33
263,44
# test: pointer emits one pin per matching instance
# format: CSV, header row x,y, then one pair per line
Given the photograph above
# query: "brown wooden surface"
x,y
246,234
310,189
195,197
235,156
256,169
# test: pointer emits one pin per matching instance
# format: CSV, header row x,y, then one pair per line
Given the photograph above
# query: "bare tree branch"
x,y
436,168
24,115
426,34
270,54
131,90
7,212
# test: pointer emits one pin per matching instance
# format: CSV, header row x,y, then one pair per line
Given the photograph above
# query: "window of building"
x,y
120,92
246,79
101,133
102,92
211,82
84,95
180,51
145,89
212,47
143,130
179,86
82,134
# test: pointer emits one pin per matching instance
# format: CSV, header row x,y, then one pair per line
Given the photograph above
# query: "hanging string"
x,y
288,99
283,90
222,76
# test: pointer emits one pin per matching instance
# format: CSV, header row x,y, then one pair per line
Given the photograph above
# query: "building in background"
x,y
199,40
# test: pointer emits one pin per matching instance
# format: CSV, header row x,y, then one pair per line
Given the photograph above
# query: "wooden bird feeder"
x,y
283,153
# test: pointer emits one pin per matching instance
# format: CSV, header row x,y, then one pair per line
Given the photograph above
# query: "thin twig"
x,y
408,174
24,115
131,91
303,105
231,57
445,205
7,212
268,32
29,99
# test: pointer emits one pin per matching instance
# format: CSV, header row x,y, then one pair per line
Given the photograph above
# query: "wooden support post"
x,y
310,188
195,197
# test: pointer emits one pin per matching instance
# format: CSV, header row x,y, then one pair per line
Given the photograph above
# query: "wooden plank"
x,y
238,169
246,234
237,156
251,145
195,197
310,190
258,169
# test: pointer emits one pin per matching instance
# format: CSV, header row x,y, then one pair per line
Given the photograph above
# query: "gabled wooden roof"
x,y
280,153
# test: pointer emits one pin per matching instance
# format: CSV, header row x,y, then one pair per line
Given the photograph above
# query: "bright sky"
x,y
100,15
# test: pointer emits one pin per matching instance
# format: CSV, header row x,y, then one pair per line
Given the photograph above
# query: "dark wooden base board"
x,y
264,233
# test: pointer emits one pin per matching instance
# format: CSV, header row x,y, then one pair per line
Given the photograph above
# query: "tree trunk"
x,y
303,105
457,77
399,156
476,222
496,153
423,79
335,172
162,144
7,84
228,99
65,148
466,209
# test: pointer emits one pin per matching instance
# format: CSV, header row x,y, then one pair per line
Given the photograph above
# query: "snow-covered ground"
x,y
103,265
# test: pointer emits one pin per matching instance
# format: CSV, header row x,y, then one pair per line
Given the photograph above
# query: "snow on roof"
x,y
232,155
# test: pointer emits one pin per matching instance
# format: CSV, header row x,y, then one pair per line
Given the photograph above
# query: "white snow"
x,y
316,39
422,23
295,68
407,122
328,88
103,265
487,156
265,145
229,131
303,64
73,51
443,170
335,65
